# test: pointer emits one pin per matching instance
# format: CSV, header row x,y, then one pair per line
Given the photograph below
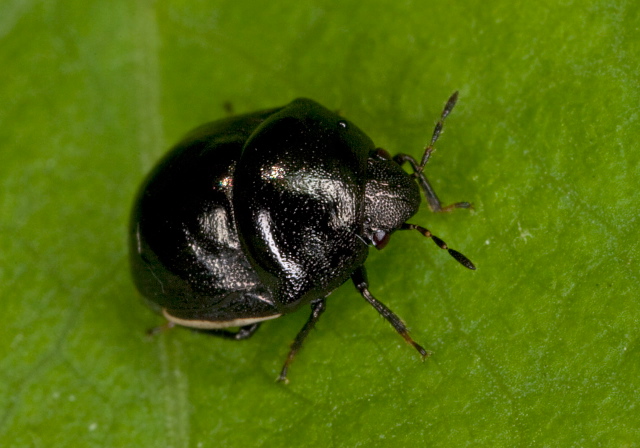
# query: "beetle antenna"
x,y
438,130
432,198
460,258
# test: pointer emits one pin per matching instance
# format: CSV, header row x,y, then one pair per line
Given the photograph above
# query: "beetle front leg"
x,y
317,308
432,198
168,325
359,278
418,169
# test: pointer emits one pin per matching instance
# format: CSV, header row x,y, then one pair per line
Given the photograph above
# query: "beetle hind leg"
x,y
243,333
359,278
317,308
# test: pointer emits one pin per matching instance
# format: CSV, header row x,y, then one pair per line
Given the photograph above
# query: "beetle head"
x,y
391,197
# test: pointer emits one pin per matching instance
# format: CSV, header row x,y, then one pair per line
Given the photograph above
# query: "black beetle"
x,y
251,217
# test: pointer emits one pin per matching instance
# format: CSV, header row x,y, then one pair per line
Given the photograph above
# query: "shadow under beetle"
x,y
253,216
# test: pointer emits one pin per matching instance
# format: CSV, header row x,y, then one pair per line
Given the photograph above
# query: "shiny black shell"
x,y
252,216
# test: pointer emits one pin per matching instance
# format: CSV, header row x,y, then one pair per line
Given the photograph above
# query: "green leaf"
x,y
539,346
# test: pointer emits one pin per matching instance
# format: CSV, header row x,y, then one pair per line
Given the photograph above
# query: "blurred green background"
x,y
538,347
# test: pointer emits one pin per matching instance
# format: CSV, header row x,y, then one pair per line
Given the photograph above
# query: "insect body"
x,y
252,217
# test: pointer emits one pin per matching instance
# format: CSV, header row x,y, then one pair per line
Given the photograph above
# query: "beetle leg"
x,y
243,333
359,278
317,308
168,325
460,258
432,198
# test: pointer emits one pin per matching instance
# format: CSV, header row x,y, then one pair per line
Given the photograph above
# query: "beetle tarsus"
x,y
168,325
450,208
359,278
317,308
460,258
424,354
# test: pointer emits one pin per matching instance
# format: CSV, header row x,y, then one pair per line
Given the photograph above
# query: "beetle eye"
x,y
382,154
380,239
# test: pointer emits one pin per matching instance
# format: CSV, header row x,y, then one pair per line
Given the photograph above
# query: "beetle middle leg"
x,y
317,308
359,278
432,198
